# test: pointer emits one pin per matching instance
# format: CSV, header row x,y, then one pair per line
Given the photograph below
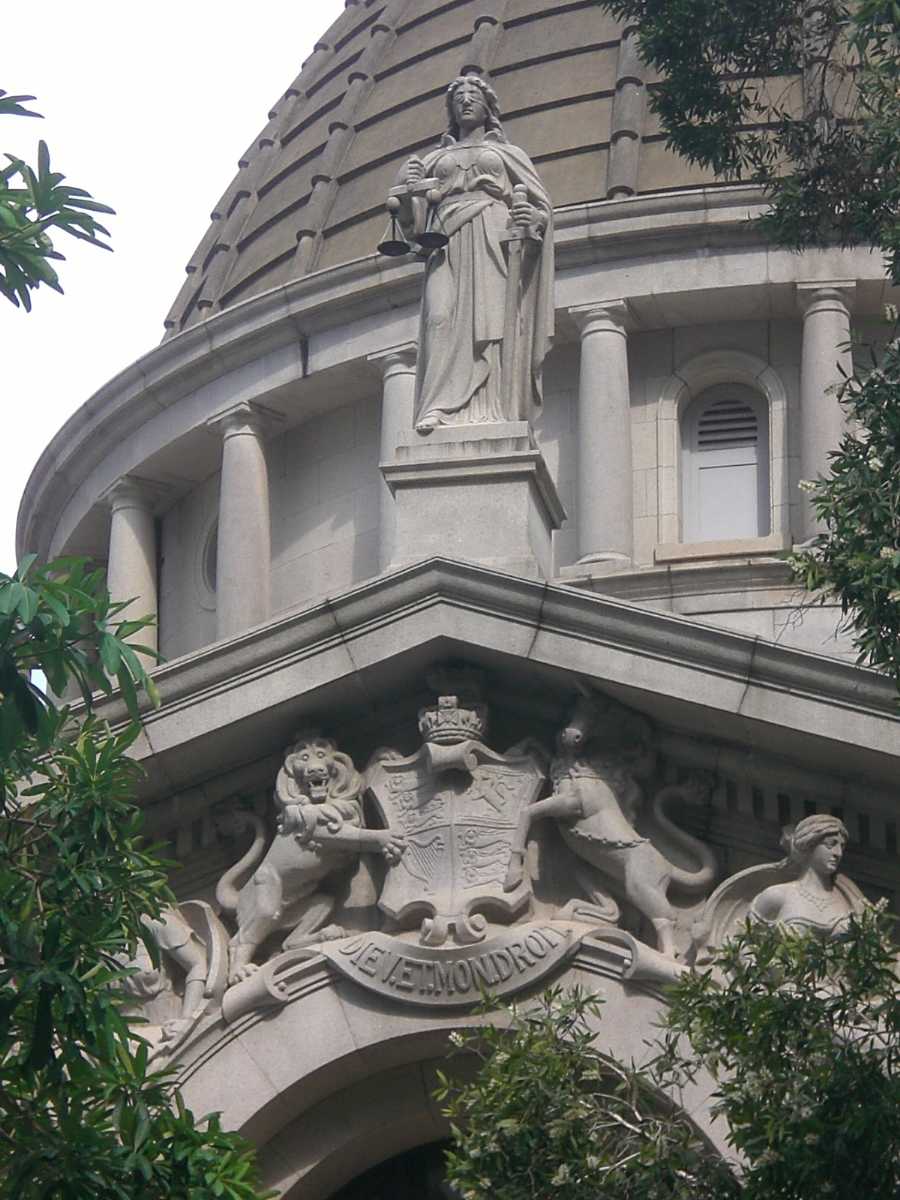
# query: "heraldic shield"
x,y
458,805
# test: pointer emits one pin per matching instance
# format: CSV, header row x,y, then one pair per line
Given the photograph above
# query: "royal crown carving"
x,y
450,721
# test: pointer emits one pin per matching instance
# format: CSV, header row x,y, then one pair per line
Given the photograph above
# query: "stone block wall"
x,y
325,501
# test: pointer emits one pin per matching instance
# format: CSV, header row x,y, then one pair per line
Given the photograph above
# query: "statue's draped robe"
x,y
464,296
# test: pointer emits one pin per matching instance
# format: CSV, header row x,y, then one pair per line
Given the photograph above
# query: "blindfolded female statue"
x,y
481,187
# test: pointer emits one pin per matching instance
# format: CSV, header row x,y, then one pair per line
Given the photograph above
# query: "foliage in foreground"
x,y
800,1035
797,96
803,1040
82,1113
33,204
857,557
549,1115
801,97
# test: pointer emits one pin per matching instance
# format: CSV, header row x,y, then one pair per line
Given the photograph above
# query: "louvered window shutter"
x,y
725,466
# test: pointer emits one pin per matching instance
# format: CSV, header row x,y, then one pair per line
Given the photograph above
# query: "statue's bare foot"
x,y
427,424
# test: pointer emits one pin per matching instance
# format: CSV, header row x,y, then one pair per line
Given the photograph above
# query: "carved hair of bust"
x,y
491,103
808,833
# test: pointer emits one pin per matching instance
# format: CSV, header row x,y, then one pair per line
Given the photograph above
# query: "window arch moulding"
x,y
694,377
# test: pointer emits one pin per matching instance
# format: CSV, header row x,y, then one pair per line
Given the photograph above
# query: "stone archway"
x,y
337,1079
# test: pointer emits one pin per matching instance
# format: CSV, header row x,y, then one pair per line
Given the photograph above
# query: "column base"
x,y
616,557
476,492
596,566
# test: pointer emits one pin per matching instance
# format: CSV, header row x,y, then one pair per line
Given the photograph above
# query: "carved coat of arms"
x,y
459,806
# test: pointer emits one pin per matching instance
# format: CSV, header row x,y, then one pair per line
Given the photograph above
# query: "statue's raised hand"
x,y
521,209
415,170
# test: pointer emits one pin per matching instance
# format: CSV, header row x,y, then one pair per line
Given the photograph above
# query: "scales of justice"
x,y
467,477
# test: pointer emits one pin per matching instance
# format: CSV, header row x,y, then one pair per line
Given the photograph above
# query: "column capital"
x,y
396,360
245,417
602,316
833,295
131,491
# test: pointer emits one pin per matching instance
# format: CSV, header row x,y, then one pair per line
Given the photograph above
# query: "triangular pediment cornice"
x,y
236,700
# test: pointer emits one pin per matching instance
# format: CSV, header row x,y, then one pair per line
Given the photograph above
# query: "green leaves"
x,y
800,1034
13,106
92,1116
803,1036
59,620
34,203
798,97
856,560
548,1115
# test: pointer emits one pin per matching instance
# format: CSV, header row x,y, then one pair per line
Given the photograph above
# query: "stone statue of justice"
x,y
482,219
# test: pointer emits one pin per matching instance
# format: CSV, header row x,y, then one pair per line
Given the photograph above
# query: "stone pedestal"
x,y
476,492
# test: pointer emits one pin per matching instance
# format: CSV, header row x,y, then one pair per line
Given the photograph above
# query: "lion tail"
x,y
227,891
705,876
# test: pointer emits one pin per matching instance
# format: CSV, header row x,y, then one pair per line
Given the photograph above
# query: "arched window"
x,y
725,465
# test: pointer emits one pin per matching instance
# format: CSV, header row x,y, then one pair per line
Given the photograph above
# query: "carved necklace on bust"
x,y
822,901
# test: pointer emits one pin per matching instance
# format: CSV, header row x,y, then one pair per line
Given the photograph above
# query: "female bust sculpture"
x,y
815,900
480,186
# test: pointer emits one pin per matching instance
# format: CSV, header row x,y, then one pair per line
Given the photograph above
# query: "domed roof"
x,y
310,191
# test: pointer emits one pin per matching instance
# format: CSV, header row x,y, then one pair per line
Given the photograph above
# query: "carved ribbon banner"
x,y
443,978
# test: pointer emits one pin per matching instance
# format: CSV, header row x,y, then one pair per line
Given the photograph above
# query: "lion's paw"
x,y
242,973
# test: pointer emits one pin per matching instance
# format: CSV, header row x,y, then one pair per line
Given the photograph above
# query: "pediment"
x,y
461,709
360,658
359,655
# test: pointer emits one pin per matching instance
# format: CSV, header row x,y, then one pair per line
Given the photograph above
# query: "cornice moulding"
x,y
757,692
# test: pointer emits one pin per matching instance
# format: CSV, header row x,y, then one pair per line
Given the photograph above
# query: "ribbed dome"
x,y
310,191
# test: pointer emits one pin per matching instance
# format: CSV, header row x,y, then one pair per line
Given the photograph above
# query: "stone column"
x,y
131,565
604,488
244,538
398,370
826,330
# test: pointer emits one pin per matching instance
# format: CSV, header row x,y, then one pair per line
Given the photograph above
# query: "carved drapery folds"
x,y
480,216
433,876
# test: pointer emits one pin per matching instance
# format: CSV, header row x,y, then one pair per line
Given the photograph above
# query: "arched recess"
x,y
694,377
339,1079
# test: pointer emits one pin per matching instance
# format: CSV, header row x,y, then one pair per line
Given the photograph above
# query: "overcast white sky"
x,y
148,105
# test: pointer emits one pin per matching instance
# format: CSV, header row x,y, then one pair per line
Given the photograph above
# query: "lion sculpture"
x,y
319,837
601,753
